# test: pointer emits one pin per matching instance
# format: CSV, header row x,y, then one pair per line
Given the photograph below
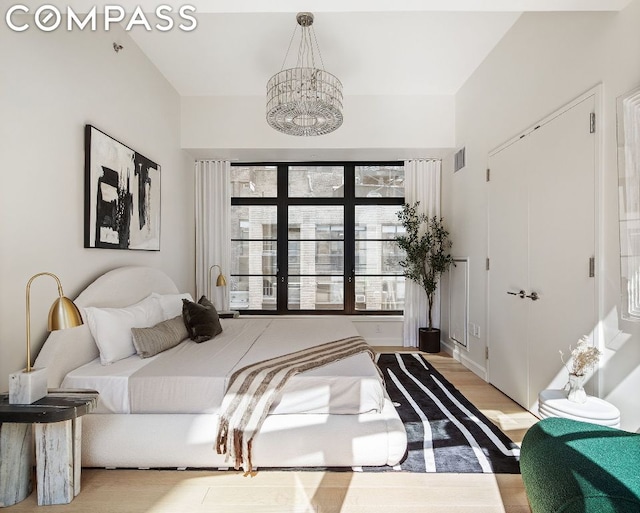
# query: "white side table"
x,y
554,403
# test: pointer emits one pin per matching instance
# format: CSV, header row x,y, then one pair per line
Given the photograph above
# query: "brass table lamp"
x,y
221,281
29,385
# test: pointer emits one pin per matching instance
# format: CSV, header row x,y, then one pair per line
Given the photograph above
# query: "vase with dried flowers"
x,y
583,358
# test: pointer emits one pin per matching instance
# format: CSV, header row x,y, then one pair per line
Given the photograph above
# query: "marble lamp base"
x,y
27,387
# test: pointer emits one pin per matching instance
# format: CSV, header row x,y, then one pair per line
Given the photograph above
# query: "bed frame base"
x,y
305,440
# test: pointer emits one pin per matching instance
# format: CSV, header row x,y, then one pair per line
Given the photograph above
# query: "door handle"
x,y
533,296
521,294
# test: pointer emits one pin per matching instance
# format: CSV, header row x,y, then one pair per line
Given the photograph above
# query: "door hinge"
x,y
592,123
592,267
486,352
487,265
488,174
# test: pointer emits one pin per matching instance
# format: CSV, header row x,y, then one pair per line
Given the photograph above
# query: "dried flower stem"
x,y
583,358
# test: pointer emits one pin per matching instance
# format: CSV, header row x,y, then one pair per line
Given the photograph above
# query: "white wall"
x,y
52,85
375,128
372,123
543,62
383,330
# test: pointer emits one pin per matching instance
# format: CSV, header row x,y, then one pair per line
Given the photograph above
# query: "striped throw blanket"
x,y
253,389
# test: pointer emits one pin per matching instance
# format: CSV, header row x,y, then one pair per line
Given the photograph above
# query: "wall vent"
x,y
458,160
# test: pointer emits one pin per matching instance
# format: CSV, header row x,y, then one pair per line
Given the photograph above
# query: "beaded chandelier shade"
x,y
304,100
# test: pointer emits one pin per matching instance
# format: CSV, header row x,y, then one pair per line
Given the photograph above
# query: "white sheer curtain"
x,y
213,226
421,183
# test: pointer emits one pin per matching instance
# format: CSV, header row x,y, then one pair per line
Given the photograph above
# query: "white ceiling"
x,y
371,53
375,47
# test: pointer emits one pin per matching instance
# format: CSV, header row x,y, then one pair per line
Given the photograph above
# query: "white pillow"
x,y
171,304
111,327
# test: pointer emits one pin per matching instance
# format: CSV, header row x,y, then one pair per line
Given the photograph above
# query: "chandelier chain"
x,y
289,48
318,47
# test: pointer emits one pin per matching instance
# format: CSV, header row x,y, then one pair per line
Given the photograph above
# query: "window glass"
x,y
254,222
379,284
379,293
254,181
316,244
316,182
379,181
377,221
252,292
254,257
316,222
316,257
376,251
378,257
315,293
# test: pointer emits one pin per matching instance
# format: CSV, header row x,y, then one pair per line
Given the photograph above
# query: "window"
x,y
379,282
253,258
316,238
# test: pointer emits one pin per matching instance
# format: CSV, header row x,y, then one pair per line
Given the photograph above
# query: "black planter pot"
x,y
429,340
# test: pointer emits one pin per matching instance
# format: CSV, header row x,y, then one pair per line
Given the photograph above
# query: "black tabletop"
x,y
56,406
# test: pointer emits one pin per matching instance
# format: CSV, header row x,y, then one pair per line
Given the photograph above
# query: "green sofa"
x,y
570,467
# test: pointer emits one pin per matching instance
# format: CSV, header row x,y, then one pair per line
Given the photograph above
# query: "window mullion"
x,y
283,239
349,239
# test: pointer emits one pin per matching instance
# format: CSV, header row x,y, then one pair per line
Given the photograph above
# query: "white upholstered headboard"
x,y
65,350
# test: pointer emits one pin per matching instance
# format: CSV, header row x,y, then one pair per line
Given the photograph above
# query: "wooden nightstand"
x,y
58,435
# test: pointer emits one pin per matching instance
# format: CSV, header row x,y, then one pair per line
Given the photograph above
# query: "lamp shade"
x,y
64,314
221,281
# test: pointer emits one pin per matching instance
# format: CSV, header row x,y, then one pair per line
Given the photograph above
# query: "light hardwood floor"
x,y
198,491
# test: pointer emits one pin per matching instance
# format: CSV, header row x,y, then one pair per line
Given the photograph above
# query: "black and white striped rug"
x,y
445,432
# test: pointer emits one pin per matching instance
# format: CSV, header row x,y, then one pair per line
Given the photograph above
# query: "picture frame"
x,y
122,195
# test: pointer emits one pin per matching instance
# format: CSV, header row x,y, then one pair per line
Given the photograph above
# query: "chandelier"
x,y
304,100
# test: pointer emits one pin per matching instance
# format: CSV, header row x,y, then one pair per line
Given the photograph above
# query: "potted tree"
x,y
426,245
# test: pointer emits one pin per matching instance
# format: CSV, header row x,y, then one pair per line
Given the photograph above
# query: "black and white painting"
x,y
122,195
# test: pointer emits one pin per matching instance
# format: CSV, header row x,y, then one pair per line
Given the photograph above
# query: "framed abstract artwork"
x,y
122,195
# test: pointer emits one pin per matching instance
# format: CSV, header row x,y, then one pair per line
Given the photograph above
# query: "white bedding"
x,y
191,378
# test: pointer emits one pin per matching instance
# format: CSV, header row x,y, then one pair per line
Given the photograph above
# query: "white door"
x,y
509,261
542,245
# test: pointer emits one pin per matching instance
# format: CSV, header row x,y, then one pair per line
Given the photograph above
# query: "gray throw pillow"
x,y
158,338
201,319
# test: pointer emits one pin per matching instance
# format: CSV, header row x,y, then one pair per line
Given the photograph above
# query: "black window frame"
x,y
349,201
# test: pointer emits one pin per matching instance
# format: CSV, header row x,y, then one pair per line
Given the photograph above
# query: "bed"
x,y
163,411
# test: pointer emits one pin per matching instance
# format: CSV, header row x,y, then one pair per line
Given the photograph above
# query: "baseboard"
x,y
479,370
461,356
447,346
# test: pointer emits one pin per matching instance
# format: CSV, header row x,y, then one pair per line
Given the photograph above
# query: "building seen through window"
x,y
316,238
